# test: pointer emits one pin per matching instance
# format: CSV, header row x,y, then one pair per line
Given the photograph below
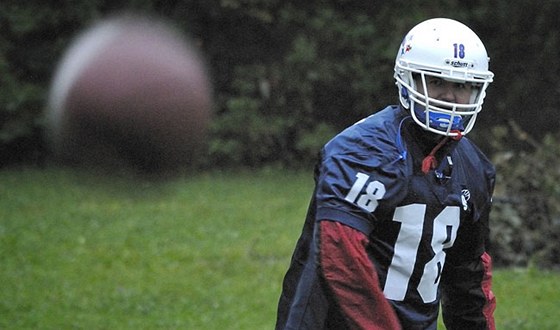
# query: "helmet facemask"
x,y
437,116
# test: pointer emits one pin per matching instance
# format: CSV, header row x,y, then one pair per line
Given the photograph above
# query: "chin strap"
x,y
430,162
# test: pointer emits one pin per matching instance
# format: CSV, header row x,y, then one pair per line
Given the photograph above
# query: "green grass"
x,y
527,299
202,252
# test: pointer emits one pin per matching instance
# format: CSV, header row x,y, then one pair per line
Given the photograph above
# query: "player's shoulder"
x,y
374,135
475,158
366,153
383,123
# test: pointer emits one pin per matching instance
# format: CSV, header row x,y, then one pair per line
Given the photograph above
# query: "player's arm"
x,y
468,301
351,278
467,298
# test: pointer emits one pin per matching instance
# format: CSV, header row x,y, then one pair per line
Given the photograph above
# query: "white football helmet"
x,y
449,50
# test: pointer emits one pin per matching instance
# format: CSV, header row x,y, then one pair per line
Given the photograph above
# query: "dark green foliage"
x,y
307,68
526,216
288,75
33,35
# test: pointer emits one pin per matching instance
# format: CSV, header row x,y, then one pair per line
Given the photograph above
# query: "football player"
x,y
398,221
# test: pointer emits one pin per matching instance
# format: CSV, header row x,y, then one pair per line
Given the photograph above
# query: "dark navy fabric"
x,y
369,178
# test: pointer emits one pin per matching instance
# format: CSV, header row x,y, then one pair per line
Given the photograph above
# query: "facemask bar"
x,y
441,117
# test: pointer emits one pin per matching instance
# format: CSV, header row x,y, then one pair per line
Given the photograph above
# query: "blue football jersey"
x,y
420,225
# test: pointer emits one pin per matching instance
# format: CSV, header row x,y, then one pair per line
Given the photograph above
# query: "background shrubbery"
x,y
290,74
526,215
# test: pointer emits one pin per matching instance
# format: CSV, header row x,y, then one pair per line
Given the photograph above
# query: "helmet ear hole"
x,y
404,96
404,93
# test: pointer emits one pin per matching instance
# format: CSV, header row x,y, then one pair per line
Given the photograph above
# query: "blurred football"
x,y
130,92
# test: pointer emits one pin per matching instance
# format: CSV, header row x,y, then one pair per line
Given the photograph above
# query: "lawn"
x,y
202,252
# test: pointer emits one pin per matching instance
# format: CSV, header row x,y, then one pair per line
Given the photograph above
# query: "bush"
x,y
525,224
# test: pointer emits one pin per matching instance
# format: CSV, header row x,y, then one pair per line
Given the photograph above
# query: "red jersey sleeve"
x,y
351,278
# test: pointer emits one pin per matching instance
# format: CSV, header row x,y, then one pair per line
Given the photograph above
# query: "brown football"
x,y
130,91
